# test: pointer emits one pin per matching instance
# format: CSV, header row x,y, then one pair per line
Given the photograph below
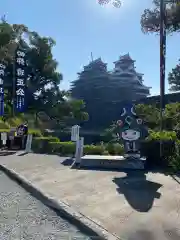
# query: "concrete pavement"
x,y
24,217
131,207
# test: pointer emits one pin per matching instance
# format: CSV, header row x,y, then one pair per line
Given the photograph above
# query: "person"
x,y
22,131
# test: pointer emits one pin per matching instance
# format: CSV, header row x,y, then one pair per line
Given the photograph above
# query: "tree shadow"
x,y
138,191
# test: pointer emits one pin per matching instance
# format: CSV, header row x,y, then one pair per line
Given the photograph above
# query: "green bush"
x,y
93,149
63,148
115,149
15,121
165,135
41,144
174,159
151,150
35,132
69,148
4,125
4,130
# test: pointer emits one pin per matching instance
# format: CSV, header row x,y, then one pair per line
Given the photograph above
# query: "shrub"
x,y
69,148
106,153
174,159
4,125
15,121
93,149
41,144
35,132
151,150
63,148
4,130
115,149
165,135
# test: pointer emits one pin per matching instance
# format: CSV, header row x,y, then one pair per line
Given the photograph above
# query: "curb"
x,y
84,223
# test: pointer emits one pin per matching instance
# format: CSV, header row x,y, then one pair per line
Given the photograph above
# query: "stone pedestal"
x,y
111,162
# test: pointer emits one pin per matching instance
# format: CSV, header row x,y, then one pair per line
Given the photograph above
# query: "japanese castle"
x,y
105,92
125,76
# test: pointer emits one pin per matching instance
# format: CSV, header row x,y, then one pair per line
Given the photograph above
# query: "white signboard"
x,y
4,138
75,133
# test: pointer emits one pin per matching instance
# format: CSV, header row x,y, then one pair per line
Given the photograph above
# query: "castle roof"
x,y
123,58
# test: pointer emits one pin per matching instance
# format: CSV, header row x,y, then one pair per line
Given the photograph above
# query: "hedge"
x,y
69,148
41,144
115,149
151,150
164,135
4,125
53,145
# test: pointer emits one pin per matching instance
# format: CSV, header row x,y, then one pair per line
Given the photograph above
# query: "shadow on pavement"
x,y
23,154
67,162
7,153
138,191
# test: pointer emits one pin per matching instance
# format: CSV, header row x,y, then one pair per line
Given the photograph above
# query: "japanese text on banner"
x,y
20,75
2,74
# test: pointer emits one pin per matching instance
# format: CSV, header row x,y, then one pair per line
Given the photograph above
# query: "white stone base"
x,y
111,162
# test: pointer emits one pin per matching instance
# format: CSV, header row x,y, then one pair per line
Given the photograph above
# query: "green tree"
x,y
174,78
43,79
150,19
150,23
151,116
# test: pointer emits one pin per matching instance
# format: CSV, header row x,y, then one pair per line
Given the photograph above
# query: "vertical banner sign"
x,y
162,51
20,79
2,73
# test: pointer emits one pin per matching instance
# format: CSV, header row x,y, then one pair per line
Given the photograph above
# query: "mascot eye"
x,y
134,133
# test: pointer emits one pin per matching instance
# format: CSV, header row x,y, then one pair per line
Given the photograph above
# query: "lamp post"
x,y
162,63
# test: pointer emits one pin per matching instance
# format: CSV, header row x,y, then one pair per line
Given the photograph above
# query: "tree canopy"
x,y
150,19
115,3
43,78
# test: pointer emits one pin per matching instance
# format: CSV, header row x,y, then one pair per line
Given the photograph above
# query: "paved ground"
x,y
134,210
24,217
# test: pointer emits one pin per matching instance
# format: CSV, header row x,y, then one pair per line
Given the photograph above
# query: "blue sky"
x,y
82,26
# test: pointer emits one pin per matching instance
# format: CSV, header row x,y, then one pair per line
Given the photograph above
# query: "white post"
x,y
81,146
4,138
79,150
79,143
28,143
75,133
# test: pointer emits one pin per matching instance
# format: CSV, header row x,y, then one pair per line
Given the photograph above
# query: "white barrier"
x,y
79,143
4,138
28,143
